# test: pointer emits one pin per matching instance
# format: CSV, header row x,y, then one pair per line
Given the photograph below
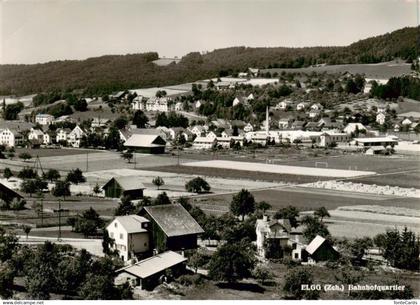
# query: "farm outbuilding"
x,y
148,273
130,186
320,249
146,143
8,194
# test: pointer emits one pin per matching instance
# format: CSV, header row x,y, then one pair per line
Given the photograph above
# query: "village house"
x,y
139,103
250,97
158,104
248,128
10,137
36,135
179,106
285,123
127,186
327,139
75,136
302,106
44,119
317,106
99,122
239,100
172,227
275,236
62,135
131,236
354,127
381,118
314,113
198,130
204,143
284,105
211,135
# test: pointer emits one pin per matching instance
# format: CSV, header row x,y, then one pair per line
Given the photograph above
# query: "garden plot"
x,y
175,183
279,169
370,220
364,188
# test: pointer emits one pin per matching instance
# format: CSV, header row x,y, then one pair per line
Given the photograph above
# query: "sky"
x,y
36,31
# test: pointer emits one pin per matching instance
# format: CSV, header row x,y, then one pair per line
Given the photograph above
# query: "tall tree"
x,y
243,203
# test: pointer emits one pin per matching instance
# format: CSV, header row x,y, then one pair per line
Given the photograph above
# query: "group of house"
x,y
153,242
277,237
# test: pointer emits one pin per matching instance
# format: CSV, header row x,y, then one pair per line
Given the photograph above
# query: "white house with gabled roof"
x,y
130,234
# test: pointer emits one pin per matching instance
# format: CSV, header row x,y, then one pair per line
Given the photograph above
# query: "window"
x,y
115,224
294,246
111,234
296,255
121,236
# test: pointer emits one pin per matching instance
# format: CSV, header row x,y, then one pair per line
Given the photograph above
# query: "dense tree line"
x,y
406,86
102,75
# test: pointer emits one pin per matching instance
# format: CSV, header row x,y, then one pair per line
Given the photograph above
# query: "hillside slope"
x,y
115,72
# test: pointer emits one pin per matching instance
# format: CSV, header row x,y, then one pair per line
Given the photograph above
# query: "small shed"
x,y
130,186
148,273
320,249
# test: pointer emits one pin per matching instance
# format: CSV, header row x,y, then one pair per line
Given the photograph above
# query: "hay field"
x,y
283,169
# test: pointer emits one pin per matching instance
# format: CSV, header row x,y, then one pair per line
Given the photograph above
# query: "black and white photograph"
x,y
178,150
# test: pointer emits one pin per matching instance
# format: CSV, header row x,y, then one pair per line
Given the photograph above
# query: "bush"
x,y
17,204
191,279
197,185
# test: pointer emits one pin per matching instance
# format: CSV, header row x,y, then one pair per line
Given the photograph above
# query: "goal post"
x,y
321,163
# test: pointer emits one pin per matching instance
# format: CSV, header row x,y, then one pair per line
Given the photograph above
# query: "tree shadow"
x,y
242,287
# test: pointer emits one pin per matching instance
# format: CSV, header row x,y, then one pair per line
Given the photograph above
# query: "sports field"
x,y
279,169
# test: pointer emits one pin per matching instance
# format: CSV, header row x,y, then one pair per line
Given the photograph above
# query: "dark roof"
x,y
127,183
173,219
7,193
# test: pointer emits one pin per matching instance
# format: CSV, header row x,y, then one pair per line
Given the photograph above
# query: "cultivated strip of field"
x,y
279,169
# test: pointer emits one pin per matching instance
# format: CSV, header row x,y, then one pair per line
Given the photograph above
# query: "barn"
x,y
146,143
130,186
172,227
8,194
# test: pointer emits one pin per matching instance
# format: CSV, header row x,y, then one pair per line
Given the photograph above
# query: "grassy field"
x,y
310,199
51,152
382,70
407,179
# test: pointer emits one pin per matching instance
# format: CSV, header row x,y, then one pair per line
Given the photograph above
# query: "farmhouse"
x,y
62,134
8,194
130,186
75,136
150,144
320,249
130,234
149,272
277,234
172,227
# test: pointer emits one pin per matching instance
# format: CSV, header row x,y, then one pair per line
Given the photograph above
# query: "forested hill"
x,y
115,72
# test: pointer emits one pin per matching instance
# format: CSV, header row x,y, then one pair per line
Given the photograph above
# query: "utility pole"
x,y
87,161
59,220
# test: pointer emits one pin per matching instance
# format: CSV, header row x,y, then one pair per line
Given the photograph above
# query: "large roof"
x,y
378,139
144,140
132,223
154,264
173,219
412,114
128,183
315,244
